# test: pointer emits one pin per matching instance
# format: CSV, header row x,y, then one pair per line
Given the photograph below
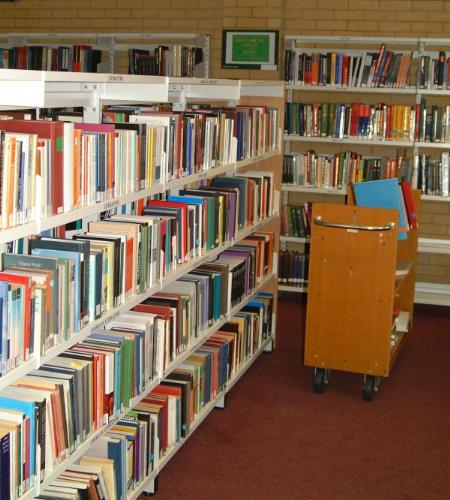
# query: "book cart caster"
x,y
370,387
320,379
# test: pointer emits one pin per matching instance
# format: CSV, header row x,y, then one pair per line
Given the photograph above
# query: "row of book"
x,y
133,447
433,72
336,170
432,123
62,284
73,165
296,220
174,60
384,68
46,415
365,121
432,174
293,268
74,58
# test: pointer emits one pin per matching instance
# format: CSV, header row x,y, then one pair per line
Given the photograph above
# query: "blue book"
x,y
383,193
29,409
3,326
117,451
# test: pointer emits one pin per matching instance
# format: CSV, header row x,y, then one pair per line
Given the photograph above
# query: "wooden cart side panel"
x,y
351,291
407,252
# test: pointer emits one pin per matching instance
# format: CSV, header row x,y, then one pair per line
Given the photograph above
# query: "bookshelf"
x,y
40,89
416,92
361,293
114,47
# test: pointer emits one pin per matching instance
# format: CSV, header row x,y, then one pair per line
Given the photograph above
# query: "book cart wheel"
x,y
370,387
320,379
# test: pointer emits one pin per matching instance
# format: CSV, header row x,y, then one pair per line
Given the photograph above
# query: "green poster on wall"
x,y
251,48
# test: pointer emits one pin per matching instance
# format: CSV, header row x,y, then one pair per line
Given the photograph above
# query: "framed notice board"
x,y
250,49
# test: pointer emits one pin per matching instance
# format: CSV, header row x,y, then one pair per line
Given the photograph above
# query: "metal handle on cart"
x,y
318,220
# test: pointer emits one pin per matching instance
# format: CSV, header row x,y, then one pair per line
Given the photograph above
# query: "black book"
x,y
118,257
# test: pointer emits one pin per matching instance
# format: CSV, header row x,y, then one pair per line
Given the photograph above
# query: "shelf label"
x,y
111,204
208,81
115,78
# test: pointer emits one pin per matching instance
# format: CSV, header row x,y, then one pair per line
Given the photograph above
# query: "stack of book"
x,y
365,121
74,165
174,60
75,58
432,175
293,268
433,72
334,171
65,283
296,220
48,414
432,123
384,68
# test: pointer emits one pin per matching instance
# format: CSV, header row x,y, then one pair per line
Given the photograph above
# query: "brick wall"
x,y
321,17
403,18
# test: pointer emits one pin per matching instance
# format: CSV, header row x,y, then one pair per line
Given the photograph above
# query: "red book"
x,y
315,69
162,401
354,119
388,122
387,66
378,64
53,130
409,204
345,70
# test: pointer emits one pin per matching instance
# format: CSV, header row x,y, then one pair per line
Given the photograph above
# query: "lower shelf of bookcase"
x,y
295,289
84,447
200,417
432,293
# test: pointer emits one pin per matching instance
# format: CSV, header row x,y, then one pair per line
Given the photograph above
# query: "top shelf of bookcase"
x,y
50,89
111,43
120,36
55,88
40,89
351,40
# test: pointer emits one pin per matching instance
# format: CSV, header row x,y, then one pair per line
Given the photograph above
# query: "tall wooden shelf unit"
x,y
433,247
361,278
39,89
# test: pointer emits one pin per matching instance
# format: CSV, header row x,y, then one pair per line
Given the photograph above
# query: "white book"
x,y
68,163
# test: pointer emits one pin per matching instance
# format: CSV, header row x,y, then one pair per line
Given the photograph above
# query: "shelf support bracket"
x,y
92,113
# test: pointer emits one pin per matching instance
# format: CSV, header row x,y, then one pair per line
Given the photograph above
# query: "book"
x,y
383,193
55,132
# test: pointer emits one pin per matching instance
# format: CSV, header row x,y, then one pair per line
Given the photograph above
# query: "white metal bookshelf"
x,y
430,293
39,89
113,43
89,441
